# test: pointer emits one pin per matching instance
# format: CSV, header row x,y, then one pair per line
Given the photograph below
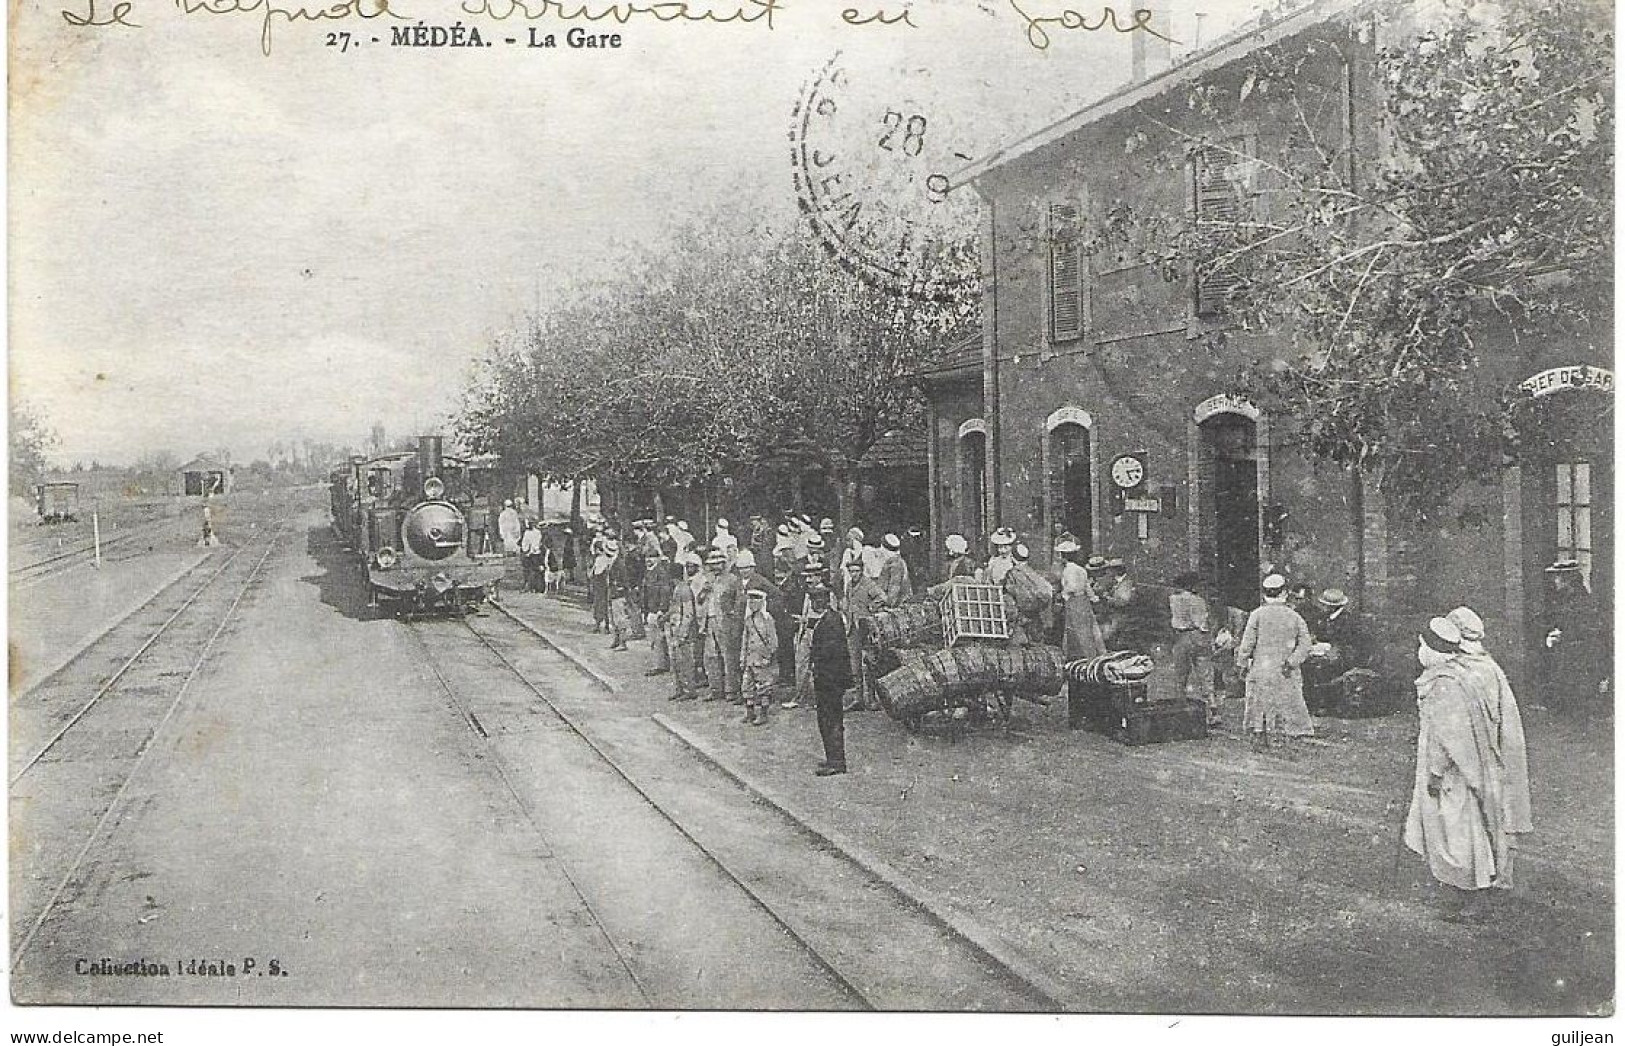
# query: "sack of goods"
x,y
1119,668
910,625
944,677
1031,591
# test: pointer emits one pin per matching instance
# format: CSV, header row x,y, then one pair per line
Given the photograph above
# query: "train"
x,y
406,517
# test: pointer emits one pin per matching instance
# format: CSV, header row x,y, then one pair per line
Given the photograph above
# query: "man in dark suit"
x,y
832,677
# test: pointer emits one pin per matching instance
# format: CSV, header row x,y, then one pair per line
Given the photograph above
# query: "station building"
x,y
1094,401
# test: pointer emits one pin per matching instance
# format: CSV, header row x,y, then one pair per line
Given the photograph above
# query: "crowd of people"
x,y
772,617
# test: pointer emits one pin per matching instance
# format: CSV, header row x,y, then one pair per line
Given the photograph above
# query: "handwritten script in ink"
x,y
1037,24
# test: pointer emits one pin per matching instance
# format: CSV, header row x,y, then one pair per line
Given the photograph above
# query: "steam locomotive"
x,y
406,515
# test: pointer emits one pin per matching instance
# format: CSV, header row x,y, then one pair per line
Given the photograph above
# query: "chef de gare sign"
x,y
1576,376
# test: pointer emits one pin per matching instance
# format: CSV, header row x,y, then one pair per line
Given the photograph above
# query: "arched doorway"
x,y
1564,425
972,481
1070,466
1228,481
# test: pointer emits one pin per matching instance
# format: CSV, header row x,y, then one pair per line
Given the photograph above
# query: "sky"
x,y
214,247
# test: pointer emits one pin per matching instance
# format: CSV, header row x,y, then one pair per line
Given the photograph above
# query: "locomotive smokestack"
x,y
428,456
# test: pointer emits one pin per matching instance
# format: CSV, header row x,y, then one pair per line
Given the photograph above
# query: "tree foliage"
x,y
1478,209
709,360
31,438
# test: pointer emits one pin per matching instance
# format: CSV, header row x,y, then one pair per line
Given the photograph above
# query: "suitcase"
x,y
1099,706
1156,722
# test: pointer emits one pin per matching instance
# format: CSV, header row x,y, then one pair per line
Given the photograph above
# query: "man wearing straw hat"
x,y
1339,646
1572,647
722,626
759,651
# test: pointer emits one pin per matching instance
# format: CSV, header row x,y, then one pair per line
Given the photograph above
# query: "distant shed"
x,y
204,475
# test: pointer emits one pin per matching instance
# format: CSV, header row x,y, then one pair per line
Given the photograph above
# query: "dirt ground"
x,y
1196,876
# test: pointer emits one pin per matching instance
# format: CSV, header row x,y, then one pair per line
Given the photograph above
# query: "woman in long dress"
x,y
1273,648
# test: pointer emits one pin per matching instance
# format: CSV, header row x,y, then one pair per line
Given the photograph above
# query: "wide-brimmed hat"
x,y
1334,597
722,524
715,558
1273,584
1003,536
892,542
827,524
1564,566
1468,622
1022,551
957,544
755,588
1094,564
745,558
1067,546
1441,635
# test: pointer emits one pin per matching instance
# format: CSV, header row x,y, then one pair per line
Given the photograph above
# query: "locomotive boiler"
x,y
411,527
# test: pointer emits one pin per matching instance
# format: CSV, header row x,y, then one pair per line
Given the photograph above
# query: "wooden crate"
x,y
972,610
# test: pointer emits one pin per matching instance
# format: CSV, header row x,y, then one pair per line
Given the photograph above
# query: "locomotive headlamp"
x,y
387,558
433,488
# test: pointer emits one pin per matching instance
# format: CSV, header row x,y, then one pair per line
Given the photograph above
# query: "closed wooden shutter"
x,y
1221,197
1067,305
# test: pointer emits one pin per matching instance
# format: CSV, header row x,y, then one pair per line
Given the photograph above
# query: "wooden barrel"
x,y
909,690
946,676
912,624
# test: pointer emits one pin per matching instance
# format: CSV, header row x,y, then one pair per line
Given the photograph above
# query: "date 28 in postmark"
x,y
871,173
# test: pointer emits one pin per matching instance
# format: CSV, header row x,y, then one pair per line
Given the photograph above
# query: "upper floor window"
x,y
1223,177
1068,269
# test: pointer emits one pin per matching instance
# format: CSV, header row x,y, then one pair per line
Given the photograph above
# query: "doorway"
x,y
1228,445
1072,482
973,485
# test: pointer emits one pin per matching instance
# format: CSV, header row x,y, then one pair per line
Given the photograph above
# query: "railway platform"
x,y
1195,876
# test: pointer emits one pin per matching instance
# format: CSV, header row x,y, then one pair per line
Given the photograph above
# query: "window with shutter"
x,y
1221,196
1068,305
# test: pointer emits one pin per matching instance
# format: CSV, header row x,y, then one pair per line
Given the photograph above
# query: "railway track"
x,y
81,737
534,714
114,548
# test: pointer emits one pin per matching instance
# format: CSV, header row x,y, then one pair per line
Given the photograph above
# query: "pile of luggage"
x,y
1114,698
944,678
952,650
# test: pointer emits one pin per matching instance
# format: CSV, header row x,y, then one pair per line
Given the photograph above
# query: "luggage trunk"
x,y
1147,724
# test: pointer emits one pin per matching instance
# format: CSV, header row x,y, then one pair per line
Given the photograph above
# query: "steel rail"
x,y
129,662
1052,1001
142,754
22,573
501,771
665,814
86,647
